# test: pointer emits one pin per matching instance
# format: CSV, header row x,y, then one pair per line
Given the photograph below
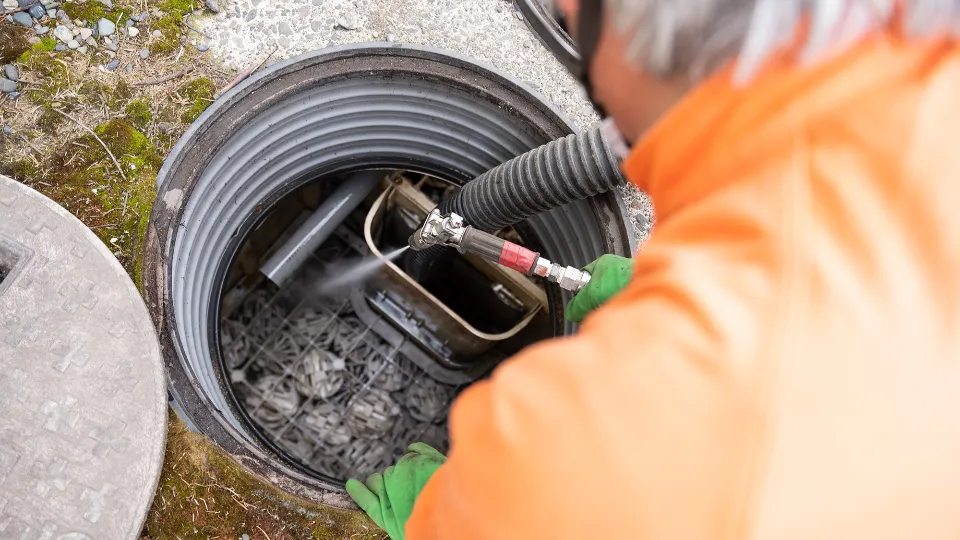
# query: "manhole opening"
x,y
338,382
11,255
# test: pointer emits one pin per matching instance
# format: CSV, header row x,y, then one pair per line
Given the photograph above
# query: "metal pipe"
x,y
287,260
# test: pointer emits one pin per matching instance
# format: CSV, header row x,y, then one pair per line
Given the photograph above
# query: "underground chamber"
x,y
325,365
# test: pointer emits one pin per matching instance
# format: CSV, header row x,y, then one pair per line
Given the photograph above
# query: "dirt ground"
x,y
93,138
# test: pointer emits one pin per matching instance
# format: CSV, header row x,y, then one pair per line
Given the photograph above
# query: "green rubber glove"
x,y
609,274
388,498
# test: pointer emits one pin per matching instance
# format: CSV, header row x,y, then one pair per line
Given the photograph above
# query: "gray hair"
x,y
692,38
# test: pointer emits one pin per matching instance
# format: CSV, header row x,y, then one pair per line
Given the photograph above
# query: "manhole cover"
x,y
82,390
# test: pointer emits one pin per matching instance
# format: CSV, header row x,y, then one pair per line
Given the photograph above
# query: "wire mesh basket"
x,y
322,384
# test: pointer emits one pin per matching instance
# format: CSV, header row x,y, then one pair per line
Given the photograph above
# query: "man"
x,y
785,362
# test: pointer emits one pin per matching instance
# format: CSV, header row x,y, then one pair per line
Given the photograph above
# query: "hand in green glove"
x,y
388,498
609,274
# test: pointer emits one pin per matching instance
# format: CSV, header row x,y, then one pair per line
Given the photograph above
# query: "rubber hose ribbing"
x,y
575,167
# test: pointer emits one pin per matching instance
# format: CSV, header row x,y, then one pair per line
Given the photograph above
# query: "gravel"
x,y
85,33
113,64
23,19
60,47
488,31
10,4
37,11
106,27
82,49
73,44
144,53
40,30
62,33
129,68
11,72
6,85
133,31
7,130
213,6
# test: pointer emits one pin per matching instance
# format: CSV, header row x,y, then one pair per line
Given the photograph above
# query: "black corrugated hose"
x,y
574,167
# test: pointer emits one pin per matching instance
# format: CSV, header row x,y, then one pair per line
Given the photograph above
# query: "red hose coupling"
x,y
517,257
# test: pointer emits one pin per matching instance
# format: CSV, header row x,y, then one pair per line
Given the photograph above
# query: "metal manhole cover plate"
x,y
82,391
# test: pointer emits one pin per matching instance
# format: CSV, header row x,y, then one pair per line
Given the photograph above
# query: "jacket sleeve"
x,y
633,428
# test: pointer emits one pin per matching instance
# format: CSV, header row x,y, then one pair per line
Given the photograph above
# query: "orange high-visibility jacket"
x,y
786,362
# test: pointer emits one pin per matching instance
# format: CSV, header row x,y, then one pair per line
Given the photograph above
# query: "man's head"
x,y
650,52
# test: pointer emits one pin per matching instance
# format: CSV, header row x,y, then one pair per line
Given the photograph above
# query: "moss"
x,y
129,145
170,27
178,7
21,169
138,113
49,120
203,493
94,92
48,68
90,11
200,94
45,45
13,42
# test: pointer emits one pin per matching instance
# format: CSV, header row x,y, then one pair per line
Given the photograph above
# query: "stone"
x,y
13,95
284,28
37,11
6,129
52,13
144,53
283,41
10,4
157,33
73,44
212,5
60,47
391,38
107,3
304,11
85,33
33,40
24,3
316,26
106,27
6,85
82,49
91,42
40,29
112,46
129,68
129,23
203,47
348,22
133,32
23,19
251,15
11,72
62,33
113,64
165,128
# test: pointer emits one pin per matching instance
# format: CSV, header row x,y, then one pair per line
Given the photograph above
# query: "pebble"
x,y
33,40
10,4
113,64
316,26
144,53
73,44
132,31
6,85
23,19
203,47
212,5
85,33
244,536
24,3
348,22
106,27
6,129
37,11
112,46
62,33
82,49
157,33
129,23
391,38
60,47
304,11
251,15
40,30
165,128
284,28
13,95
11,72
52,13
91,42
107,3
283,41
129,68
